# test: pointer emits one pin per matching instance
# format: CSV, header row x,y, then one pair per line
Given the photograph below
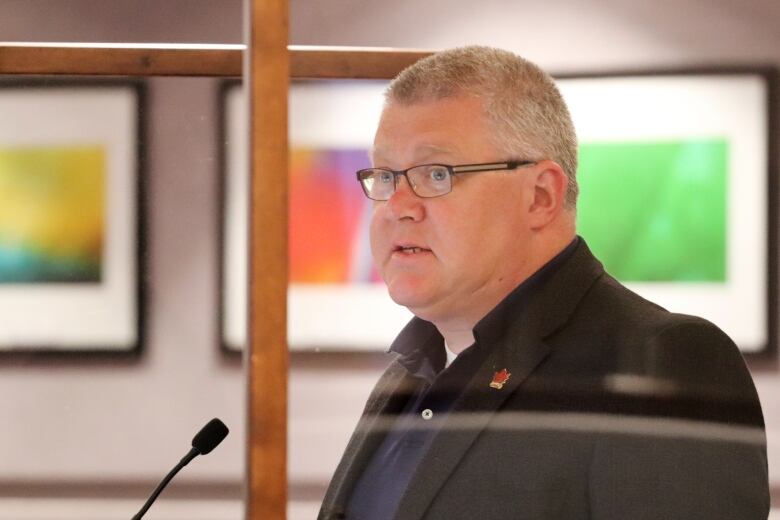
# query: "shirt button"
x,y
427,414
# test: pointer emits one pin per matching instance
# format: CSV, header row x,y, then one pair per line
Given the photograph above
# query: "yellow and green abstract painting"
x,y
52,213
656,211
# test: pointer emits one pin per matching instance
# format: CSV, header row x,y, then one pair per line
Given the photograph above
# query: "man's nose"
x,y
404,203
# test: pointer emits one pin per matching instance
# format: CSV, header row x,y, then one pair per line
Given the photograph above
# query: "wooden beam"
x,y
196,60
350,62
268,72
121,59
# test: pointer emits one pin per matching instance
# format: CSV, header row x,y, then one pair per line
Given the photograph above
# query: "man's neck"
x,y
459,333
458,340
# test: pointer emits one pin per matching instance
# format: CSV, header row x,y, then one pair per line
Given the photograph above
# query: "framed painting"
x,y
678,191
70,216
336,300
676,198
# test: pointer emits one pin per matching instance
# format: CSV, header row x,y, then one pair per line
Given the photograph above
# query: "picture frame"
x,y
729,113
717,123
72,261
321,316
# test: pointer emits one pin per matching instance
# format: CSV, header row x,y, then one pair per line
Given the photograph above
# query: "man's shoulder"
x,y
616,304
646,340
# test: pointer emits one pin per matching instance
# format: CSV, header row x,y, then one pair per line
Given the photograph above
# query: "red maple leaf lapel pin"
x,y
500,379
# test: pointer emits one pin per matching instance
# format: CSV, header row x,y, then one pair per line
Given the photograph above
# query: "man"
x,y
530,384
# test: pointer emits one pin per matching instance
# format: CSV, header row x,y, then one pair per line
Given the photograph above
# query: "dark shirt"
x,y
383,483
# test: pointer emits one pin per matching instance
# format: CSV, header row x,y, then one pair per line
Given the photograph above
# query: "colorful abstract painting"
x,y
52,213
656,211
328,218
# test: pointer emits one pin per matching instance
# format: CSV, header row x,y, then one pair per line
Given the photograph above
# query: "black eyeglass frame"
x,y
451,169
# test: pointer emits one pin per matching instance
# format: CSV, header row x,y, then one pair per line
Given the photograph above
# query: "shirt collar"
x,y
421,347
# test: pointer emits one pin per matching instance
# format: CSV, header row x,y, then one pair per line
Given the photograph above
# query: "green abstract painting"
x,y
656,211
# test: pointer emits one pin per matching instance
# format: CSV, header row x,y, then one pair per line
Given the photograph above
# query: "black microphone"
x,y
204,441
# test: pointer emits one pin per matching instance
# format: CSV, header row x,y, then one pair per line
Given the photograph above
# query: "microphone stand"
x,y
183,462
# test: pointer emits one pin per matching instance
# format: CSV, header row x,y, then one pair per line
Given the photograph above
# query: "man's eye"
x,y
385,177
438,174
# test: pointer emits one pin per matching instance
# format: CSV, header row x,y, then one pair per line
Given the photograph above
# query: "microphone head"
x,y
209,436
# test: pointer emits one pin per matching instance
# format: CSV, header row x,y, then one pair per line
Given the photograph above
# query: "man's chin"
x,y
406,300
422,306
412,300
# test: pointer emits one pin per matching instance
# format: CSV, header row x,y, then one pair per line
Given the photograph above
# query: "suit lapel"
x,y
386,400
520,350
463,424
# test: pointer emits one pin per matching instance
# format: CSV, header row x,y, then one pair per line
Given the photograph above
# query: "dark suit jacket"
x,y
615,409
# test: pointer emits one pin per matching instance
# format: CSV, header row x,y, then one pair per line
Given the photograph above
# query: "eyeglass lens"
x,y
429,180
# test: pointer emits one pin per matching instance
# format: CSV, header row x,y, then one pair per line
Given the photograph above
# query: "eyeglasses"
x,y
426,180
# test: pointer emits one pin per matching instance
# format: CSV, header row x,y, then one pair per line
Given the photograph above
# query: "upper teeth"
x,y
412,249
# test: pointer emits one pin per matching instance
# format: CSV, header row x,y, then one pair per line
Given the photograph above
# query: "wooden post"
x,y
267,74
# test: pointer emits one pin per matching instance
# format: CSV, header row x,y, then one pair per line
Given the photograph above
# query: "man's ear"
x,y
549,183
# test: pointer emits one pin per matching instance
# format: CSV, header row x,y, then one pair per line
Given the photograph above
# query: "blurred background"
x,y
89,438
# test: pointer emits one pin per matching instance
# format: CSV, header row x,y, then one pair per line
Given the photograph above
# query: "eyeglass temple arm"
x,y
471,168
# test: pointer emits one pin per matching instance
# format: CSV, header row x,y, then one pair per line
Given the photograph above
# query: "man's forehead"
x,y
447,129
386,151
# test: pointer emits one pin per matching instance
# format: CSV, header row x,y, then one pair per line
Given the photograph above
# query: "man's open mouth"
x,y
410,249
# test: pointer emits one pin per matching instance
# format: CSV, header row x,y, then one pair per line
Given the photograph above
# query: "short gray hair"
x,y
529,114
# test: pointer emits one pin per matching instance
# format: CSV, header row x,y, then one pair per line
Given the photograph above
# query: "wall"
x,y
84,431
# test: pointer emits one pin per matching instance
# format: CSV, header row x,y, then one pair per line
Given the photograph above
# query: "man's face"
x,y
449,257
